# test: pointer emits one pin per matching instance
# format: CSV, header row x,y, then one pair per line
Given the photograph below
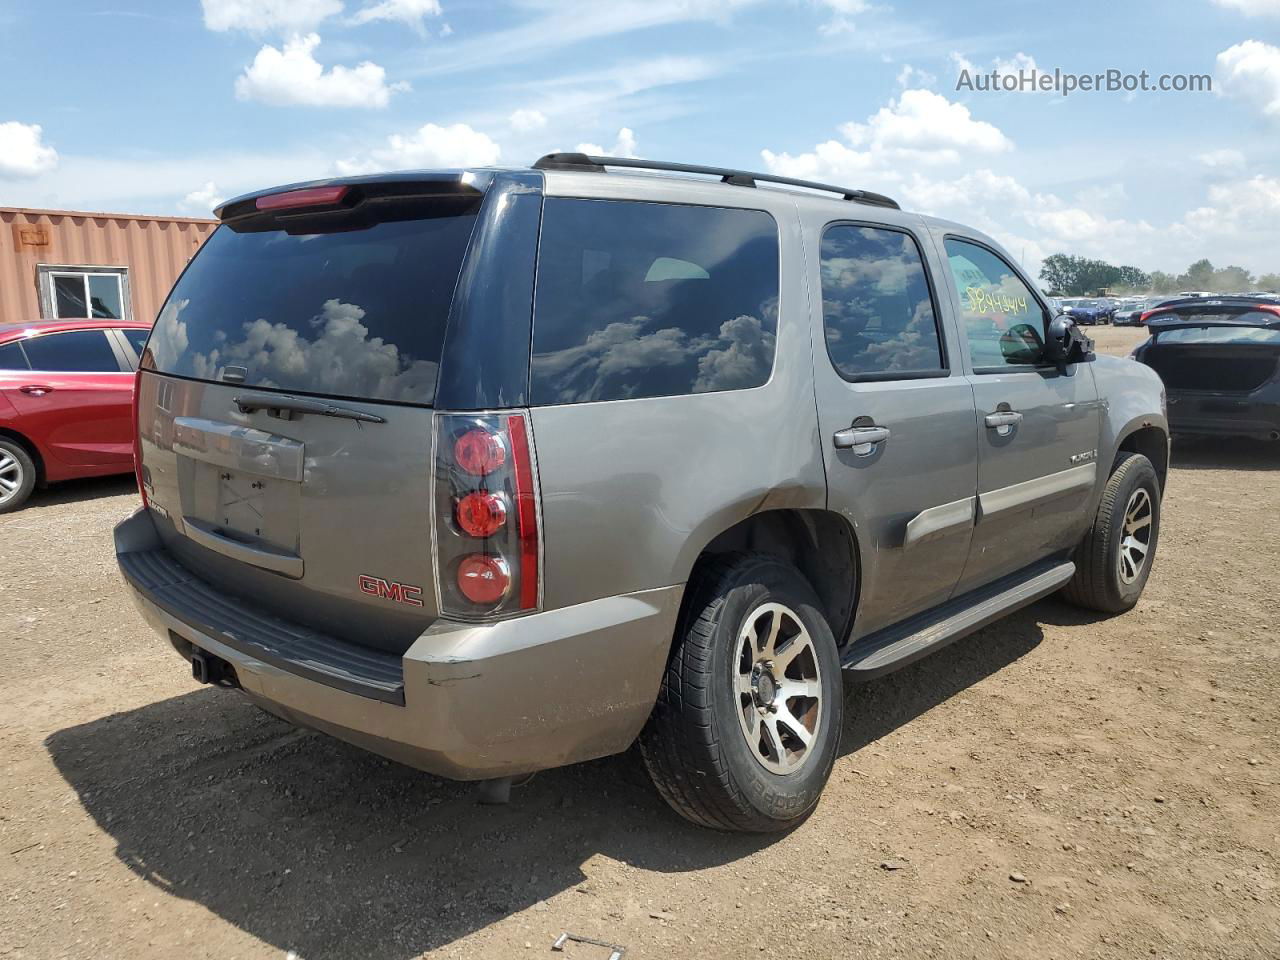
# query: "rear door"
x,y
896,418
76,398
1038,426
285,412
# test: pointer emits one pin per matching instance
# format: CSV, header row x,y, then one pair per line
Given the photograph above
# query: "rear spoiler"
x,y
1233,313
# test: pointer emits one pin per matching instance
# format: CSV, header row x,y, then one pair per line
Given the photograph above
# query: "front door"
x,y
1038,426
895,417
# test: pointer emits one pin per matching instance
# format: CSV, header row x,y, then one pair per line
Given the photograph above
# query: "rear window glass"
x,y
353,313
647,299
877,309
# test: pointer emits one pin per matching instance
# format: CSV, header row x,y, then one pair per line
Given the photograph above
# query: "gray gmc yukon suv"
x,y
498,470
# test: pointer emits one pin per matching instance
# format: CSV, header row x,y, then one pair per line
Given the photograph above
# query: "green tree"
x,y
1269,282
1232,280
1199,276
1162,282
1134,279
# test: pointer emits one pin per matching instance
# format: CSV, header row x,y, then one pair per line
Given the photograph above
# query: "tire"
x,y
18,469
697,746
1103,580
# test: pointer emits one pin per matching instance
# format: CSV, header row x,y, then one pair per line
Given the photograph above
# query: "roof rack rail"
x,y
740,178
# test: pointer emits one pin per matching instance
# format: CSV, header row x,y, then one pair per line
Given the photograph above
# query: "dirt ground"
x,y
1058,785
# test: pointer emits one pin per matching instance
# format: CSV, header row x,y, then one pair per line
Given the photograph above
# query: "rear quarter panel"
x,y
633,490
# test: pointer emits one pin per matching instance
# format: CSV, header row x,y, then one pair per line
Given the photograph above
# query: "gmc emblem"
x,y
390,590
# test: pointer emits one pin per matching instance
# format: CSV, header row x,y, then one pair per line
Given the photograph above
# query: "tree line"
x,y
1067,276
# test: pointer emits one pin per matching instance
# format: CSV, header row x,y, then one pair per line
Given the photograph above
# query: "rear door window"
x,y
80,351
1003,322
877,308
357,313
640,299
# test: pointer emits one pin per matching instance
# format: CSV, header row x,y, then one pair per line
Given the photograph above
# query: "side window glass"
x,y
1002,321
12,357
81,351
652,300
137,339
877,311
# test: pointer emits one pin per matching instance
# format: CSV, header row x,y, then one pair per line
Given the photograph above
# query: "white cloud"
x,y
623,146
919,127
1252,8
293,77
23,152
1250,71
842,14
926,121
203,201
430,146
1225,159
527,120
910,76
260,16
409,12
1019,66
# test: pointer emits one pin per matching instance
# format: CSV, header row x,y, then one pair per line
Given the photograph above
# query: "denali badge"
x,y
1084,457
390,590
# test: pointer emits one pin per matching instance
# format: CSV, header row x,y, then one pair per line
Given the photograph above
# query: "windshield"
x,y
354,313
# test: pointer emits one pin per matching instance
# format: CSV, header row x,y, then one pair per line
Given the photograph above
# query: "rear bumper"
x,y
467,701
1198,414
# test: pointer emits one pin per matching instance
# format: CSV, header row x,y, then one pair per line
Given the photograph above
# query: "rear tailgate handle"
x,y
36,389
279,561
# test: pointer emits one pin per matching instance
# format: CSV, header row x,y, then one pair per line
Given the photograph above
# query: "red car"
x,y
66,396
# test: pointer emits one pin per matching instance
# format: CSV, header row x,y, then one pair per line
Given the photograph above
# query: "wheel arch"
x,y
33,451
1152,442
821,544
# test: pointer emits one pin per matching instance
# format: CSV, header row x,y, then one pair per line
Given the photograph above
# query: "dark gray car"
x,y
498,470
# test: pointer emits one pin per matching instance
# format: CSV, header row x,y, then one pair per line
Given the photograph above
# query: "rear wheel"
x,y
747,723
17,475
1114,560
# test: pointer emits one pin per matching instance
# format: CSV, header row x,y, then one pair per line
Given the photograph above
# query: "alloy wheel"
x,y
778,688
1135,542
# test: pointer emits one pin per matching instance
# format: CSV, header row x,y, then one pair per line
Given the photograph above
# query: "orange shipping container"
x,y
59,263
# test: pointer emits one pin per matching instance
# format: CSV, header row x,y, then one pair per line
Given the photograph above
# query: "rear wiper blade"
x,y
274,401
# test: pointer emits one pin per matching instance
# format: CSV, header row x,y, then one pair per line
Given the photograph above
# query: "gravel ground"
x,y
1057,785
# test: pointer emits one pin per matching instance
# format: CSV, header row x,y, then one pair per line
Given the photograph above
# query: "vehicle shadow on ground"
x,y
78,491
317,847
1225,453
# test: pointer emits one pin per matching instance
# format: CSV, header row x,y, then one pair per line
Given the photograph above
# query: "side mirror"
x,y
1066,344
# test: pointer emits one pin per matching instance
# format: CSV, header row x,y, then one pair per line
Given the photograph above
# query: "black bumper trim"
x,y
241,626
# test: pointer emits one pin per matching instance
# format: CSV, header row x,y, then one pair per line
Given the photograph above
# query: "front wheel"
x,y
1114,560
747,723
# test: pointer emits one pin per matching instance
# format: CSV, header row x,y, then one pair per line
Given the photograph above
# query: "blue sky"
x,y
165,107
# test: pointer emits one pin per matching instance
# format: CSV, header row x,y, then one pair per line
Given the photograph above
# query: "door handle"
x,y
861,440
36,389
1003,421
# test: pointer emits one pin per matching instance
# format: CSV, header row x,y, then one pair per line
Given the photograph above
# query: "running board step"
x,y
912,639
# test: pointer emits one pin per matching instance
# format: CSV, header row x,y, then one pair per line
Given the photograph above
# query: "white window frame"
x,y
46,272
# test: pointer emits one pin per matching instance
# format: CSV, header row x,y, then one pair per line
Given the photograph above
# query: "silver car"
x,y
498,470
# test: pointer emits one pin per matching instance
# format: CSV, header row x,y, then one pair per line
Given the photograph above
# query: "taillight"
x,y
486,516
138,470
